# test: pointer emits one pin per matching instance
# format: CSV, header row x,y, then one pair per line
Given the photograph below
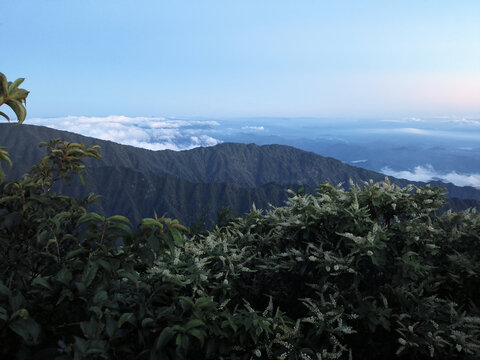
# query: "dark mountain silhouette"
x,y
189,184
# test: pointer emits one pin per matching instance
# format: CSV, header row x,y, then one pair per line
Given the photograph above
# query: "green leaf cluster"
x,y
14,97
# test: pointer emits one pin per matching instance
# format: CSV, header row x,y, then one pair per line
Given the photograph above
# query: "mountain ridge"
x,y
202,164
182,183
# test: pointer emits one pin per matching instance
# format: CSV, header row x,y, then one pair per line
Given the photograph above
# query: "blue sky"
x,y
244,58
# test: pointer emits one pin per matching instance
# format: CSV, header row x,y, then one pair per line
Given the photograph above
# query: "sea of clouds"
x,y
428,173
162,133
154,133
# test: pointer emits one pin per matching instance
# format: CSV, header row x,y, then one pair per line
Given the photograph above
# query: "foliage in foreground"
x,y
369,273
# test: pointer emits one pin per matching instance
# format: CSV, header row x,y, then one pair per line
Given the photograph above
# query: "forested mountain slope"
x,y
138,195
189,184
246,165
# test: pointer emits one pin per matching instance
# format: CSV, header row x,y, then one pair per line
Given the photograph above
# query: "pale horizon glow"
x,y
220,59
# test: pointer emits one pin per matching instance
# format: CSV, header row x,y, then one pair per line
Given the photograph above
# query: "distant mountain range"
x,y
192,184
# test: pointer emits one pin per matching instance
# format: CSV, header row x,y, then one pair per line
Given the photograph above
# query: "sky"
x,y
226,59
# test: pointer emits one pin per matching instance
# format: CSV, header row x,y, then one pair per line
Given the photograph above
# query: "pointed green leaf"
x,y
75,253
126,317
110,326
81,176
128,275
3,85
28,329
5,290
3,314
64,276
81,345
100,297
177,237
41,281
14,85
148,322
147,222
193,323
91,216
4,155
180,226
19,95
198,334
106,265
21,313
4,115
16,301
120,226
204,302
119,218
18,109
165,336
89,273
61,216
154,243
82,289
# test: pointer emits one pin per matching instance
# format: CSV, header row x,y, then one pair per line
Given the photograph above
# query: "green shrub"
x,y
78,285
370,272
367,273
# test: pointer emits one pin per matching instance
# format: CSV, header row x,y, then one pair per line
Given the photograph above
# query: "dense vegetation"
x,y
374,272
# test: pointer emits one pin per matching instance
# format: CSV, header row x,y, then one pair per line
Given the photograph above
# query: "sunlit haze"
x,y
246,58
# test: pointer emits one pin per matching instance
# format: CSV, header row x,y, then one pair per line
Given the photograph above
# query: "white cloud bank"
x,y
256,128
428,173
153,133
406,120
473,122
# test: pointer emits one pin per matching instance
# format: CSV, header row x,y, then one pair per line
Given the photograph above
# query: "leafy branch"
x,y
14,97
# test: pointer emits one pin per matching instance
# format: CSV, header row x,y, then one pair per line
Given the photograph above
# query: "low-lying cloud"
x,y
473,122
406,120
428,173
255,128
154,133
